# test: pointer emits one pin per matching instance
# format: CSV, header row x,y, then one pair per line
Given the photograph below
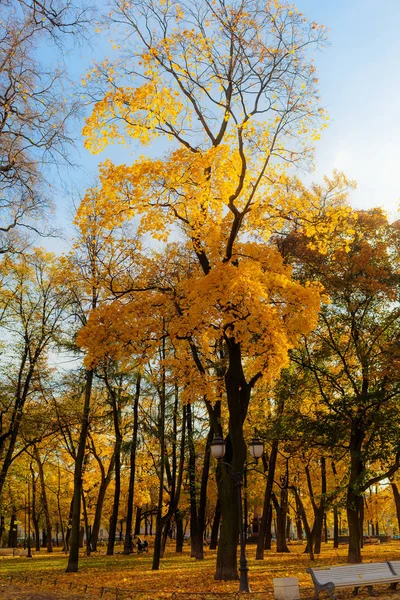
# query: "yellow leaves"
x,y
136,111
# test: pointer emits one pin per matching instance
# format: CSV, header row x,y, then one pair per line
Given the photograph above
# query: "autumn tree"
x,y
35,109
233,91
33,321
353,355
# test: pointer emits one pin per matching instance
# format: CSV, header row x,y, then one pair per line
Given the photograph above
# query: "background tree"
x,y
353,354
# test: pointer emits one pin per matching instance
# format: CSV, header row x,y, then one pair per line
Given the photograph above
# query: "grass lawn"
x,y
178,573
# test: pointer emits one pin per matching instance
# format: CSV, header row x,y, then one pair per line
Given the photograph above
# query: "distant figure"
x,y
142,545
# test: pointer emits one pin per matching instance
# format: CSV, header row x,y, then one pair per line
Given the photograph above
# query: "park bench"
x,y
353,576
7,551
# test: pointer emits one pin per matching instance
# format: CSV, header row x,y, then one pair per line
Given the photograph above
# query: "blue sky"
x,y
359,76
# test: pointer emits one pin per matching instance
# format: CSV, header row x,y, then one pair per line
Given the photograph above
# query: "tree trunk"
x,y
34,515
194,538
281,545
98,512
301,511
68,533
117,454
49,542
201,516
12,542
299,528
268,530
59,508
335,527
161,435
138,519
267,500
215,526
179,532
396,496
2,530
354,500
238,392
73,558
132,467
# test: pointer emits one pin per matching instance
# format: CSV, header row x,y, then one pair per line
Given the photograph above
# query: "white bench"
x,y
353,576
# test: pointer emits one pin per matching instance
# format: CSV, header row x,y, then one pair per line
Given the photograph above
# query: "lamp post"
x,y
29,555
256,448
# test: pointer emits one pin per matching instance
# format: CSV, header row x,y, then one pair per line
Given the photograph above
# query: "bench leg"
x,y
355,591
326,587
393,585
371,590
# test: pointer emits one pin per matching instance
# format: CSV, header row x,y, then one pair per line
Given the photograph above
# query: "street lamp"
x,y
256,448
29,555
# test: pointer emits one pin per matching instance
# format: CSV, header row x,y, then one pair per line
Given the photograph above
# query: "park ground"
x,y
122,577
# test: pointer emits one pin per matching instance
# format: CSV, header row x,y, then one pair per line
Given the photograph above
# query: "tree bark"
x,y
238,392
73,558
132,467
12,542
215,526
194,538
267,501
138,519
179,532
396,496
114,397
268,530
335,527
354,499
161,435
49,542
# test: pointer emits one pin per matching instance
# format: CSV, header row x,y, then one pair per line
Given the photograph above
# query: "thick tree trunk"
x,y
354,500
281,545
73,558
238,392
396,496
229,532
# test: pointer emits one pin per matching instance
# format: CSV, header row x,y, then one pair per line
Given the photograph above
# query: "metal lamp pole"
x,y
29,555
256,447
243,567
